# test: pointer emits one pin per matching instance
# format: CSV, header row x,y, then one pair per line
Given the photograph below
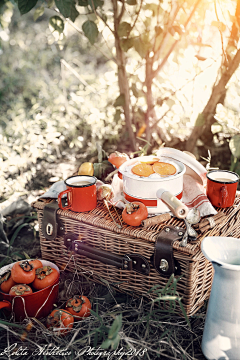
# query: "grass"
x,y
120,325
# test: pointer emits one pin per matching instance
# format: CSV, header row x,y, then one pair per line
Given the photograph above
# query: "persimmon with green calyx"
x,y
134,213
117,159
79,306
36,263
45,276
60,321
20,290
23,272
6,282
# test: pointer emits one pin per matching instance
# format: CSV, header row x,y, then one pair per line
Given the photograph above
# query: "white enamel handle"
x,y
175,205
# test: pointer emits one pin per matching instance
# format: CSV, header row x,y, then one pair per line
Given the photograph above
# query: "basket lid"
x,y
193,167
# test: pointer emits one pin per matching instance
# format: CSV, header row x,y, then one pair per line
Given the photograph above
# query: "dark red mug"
x,y
222,187
81,193
39,304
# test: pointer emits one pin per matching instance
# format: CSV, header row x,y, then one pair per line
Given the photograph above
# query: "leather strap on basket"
x,y
163,260
51,224
133,262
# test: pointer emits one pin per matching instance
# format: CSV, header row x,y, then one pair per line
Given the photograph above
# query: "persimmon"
x,y
117,158
142,169
45,276
6,282
23,272
60,321
36,263
20,290
163,168
79,306
134,213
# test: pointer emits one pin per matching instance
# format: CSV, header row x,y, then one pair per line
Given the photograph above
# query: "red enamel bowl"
x,y
38,304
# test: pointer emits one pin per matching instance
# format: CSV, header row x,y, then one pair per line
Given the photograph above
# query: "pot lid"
x,y
193,167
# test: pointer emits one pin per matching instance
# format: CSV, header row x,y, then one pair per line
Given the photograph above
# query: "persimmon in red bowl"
x,y
38,304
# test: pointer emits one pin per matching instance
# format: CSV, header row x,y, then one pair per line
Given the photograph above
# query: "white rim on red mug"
x,y
223,172
90,178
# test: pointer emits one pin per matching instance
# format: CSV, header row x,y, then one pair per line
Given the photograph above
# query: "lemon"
x,y
86,168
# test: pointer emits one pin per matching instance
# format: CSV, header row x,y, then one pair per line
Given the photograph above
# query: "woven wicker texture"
x,y
96,228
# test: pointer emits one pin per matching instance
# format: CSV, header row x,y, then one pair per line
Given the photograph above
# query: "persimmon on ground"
x,y
60,321
79,306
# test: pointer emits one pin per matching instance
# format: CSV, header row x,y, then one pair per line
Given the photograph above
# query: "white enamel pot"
x,y
159,194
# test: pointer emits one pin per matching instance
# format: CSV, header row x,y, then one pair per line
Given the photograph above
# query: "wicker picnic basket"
x,y
95,229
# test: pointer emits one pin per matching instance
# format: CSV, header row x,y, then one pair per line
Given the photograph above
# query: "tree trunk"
x,y
205,119
122,75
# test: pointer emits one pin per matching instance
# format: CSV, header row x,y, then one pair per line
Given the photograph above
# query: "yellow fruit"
x,y
86,169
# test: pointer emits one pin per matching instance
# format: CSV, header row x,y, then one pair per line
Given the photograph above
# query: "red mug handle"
x,y
4,304
60,195
224,192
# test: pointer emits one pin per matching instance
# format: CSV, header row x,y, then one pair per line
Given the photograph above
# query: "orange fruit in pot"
x,y
6,282
23,272
36,263
45,276
164,169
20,290
143,169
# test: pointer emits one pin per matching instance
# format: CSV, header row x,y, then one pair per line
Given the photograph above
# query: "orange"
x,y
163,168
149,160
143,169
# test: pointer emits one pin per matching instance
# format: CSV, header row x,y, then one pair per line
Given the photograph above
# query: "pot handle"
x,y
178,209
4,304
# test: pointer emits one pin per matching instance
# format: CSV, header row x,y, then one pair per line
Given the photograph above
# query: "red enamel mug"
x,y
222,187
81,193
39,304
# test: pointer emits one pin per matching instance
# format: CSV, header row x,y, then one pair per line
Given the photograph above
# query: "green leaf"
x,y
83,2
120,101
25,6
90,30
67,8
132,2
153,7
234,145
56,24
117,115
106,344
38,12
142,46
116,326
115,342
124,29
126,44
95,3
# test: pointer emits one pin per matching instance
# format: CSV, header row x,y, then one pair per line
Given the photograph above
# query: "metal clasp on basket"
x,y
49,229
164,266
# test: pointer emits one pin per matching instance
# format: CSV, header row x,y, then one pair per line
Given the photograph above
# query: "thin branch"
x,y
137,15
154,73
121,12
74,72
